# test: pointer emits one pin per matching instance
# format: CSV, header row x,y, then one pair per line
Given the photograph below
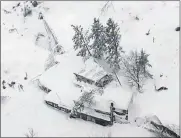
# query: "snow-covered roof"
x,y
60,78
92,70
112,94
116,95
85,86
92,112
56,98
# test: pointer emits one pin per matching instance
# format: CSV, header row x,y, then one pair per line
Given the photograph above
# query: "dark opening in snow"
x,y
177,29
162,88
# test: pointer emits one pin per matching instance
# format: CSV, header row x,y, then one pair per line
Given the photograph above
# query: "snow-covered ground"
x,y
23,110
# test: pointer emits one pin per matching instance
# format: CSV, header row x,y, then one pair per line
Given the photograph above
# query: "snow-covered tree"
x,y
114,49
134,69
99,39
54,46
81,41
85,99
104,43
50,62
144,63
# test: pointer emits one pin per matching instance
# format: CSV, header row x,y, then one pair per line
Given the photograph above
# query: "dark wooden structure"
x,y
91,118
80,78
64,109
81,115
113,114
104,81
99,83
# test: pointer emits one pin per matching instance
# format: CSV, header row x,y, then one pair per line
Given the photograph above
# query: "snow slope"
x,y
26,109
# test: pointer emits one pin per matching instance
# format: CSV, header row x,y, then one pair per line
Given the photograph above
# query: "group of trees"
x,y
103,42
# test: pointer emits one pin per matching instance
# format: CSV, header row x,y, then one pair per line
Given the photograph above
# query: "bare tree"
x,y
134,69
31,133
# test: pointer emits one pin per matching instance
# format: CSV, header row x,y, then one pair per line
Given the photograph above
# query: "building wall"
x,y
84,79
104,81
94,119
117,118
81,115
100,83
58,107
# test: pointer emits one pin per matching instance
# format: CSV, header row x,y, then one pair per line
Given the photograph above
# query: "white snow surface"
x,y
23,110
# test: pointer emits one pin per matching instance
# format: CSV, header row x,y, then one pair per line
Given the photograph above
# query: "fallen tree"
x,y
154,125
164,131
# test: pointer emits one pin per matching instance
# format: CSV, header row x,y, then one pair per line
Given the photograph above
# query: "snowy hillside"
x,y
26,109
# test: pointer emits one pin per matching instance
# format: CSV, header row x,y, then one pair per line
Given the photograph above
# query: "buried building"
x,y
93,74
88,104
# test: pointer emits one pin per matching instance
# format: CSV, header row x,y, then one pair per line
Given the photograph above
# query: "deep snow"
x,y
19,54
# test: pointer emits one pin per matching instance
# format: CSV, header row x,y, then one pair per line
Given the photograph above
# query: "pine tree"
x,y
113,47
81,41
99,39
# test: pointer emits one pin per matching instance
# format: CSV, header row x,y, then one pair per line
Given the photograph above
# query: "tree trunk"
x,y
138,86
117,78
87,49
